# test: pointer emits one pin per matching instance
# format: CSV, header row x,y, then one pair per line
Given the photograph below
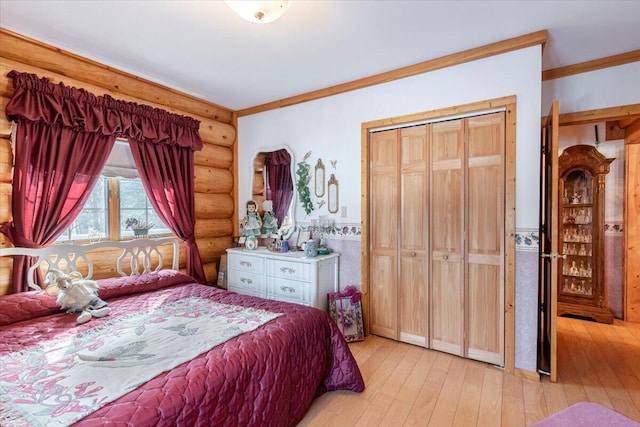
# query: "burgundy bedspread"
x,y
268,377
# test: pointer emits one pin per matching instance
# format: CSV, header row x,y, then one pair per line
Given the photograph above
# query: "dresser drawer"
x,y
249,263
289,277
245,280
285,269
288,290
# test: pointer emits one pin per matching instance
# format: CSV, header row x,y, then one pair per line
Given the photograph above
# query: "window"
x,y
128,198
134,203
93,221
118,191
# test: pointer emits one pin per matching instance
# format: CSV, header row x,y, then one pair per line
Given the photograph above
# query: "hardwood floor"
x,y
411,386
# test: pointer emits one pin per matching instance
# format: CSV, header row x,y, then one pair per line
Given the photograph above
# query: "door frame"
x,y
508,103
580,118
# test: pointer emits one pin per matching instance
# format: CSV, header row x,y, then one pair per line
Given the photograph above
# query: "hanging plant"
x,y
302,185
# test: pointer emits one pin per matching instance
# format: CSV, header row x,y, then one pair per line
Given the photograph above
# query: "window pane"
x,y
136,209
92,223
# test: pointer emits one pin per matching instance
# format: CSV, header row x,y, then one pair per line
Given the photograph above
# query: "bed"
x,y
170,352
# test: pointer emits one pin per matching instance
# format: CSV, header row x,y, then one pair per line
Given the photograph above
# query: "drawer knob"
x,y
247,281
287,288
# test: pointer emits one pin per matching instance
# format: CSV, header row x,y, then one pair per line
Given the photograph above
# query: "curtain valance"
x,y
39,100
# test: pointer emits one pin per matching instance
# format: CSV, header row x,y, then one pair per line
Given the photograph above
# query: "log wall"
x,y
214,177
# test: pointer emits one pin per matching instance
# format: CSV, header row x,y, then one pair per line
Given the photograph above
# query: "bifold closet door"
x,y
485,238
467,237
399,221
446,202
384,216
414,223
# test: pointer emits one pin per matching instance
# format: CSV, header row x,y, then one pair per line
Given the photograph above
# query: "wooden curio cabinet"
x,y
581,293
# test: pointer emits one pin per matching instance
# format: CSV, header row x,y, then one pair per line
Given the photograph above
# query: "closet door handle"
x,y
413,254
445,257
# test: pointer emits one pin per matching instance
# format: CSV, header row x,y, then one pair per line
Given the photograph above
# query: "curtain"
x,y
55,170
63,138
167,174
278,164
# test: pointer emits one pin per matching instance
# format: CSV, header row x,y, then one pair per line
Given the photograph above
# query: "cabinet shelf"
x,y
577,205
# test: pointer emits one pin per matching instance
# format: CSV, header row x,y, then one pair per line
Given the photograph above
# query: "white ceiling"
x,y
204,49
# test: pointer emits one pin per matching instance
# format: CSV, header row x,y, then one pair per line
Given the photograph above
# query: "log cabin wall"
x,y
214,182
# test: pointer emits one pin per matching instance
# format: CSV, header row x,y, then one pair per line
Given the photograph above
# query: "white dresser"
x,y
283,276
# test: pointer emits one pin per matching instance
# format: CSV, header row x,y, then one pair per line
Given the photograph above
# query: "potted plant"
x,y
140,228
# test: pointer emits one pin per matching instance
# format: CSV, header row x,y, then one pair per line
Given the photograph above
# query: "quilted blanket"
x,y
266,377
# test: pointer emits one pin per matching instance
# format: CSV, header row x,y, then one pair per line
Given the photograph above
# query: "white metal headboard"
x,y
65,257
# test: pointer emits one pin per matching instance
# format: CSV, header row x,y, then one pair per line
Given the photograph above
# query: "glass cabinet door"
x,y
577,235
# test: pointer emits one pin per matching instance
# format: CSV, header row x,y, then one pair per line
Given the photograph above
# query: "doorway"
x,y
618,121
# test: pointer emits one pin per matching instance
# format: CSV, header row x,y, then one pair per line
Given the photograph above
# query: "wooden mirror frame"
x,y
319,177
333,199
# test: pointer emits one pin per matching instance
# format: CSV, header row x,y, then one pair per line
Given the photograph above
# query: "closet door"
x,y
384,215
485,238
414,221
447,252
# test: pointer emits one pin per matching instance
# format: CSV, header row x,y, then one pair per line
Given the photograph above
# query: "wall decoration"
x,y
333,163
302,185
333,199
319,179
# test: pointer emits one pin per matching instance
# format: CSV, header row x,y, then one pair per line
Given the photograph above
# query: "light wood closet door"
x,y
384,215
485,238
437,239
414,220
447,241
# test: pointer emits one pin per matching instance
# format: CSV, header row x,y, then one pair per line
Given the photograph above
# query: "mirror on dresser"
x,y
273,179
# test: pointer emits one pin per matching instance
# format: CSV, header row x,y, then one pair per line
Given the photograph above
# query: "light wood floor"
x,y
411,386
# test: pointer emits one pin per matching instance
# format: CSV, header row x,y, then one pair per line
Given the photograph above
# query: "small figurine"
x,y
573,270
251,223
76,294
269,221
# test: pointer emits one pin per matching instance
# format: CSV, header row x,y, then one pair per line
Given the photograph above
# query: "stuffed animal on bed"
x,y
76,294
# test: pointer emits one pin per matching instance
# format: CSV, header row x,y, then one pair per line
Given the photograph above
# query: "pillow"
x,y
32,304
120,286
26,305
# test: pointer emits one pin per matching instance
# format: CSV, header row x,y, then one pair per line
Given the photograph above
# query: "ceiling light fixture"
x,y
259,12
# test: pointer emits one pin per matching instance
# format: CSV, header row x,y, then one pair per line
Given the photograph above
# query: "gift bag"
x,y
345,309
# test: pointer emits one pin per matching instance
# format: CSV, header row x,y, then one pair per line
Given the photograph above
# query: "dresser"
x,y
283,276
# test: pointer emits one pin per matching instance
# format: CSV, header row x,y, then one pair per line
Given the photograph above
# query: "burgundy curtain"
x,y
63,138
54,172
278,164
167,174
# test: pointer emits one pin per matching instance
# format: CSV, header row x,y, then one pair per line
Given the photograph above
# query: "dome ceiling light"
x,y
259,12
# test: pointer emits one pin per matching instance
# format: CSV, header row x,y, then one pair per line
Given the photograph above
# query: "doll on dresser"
x,y
251,224
269,220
